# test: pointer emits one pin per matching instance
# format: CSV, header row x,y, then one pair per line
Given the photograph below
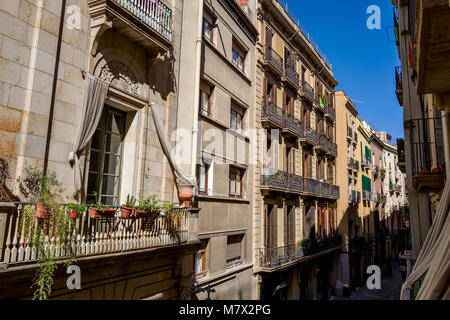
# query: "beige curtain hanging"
x,y
433,260
94,99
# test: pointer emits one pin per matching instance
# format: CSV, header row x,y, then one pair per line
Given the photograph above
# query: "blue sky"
x,y
363,60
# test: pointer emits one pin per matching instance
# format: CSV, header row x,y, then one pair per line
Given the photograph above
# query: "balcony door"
x,y
289,225
306,116
271,239
105,163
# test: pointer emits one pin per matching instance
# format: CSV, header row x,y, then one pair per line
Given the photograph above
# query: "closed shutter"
x,y
273,228
234,247
265,93
284,101
291,225
286,226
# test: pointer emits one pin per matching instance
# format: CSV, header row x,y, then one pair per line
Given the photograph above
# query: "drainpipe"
x,y
198,56
55,81
445,128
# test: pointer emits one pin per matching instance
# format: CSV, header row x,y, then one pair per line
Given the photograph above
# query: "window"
x,y
205,99
208,26
234,250
200,261
236,119
203,178
105,163
236,176
238,57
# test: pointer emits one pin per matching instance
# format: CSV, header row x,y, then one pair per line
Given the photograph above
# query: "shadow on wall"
x,y
161,75
5,194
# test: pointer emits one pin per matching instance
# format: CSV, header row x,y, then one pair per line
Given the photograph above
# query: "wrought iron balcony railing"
x,y
292,75
296,183
353,164
309,135
331,112
323,143
273,113
354,196
312,186
274,59
154,13
333,148
308,90
86,235
276,179
276,257
294,125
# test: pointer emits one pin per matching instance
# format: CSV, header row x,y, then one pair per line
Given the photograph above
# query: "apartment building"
x,y
81,80
224,116
423,89
295,185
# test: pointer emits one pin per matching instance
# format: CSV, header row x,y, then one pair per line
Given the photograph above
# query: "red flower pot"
x,y
186,193
127,212
104,212
146,214
73,214
41,212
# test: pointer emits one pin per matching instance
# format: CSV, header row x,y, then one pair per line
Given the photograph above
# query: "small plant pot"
x,y
127,212
186,193
104,212
73,214
146,214
41,212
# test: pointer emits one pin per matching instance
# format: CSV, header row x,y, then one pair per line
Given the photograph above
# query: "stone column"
x,y
193,220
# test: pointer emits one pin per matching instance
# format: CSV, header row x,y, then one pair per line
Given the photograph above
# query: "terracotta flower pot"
x,y
146,214
127,212
186,193
41,212
73,214
104,212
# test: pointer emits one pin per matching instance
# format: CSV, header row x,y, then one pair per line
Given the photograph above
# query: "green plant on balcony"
x,y
382,171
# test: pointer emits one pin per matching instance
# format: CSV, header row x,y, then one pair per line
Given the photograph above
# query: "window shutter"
x,y
286,230
273,227
265,97
292,225
269,36
284,101
234,246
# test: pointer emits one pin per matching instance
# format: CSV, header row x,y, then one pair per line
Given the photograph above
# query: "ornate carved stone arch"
x,y
121,74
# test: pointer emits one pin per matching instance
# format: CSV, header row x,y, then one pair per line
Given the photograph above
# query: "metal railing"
x,y
272,112
354,196
292,75
309,134
293,124
333,148
274,59
331,111
87,235
427,145
308,90
278,179
323,142
353,164
274,257
154,13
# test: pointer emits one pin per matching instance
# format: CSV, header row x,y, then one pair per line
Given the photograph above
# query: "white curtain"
x,y
434,257
94,99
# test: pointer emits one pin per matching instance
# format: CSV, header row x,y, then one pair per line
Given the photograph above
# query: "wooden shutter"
x,y
291,221
284,101
234,247
266,87
273,227
286,226
266,225
275,92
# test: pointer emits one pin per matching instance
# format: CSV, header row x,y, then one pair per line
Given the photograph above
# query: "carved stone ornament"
x,y
118,75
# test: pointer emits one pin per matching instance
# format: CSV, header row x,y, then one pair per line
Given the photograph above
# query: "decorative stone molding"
x,y
119,76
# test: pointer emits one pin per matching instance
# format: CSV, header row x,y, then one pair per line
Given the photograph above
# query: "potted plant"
x,y
128,207
98,209
148,208
39,188
76,209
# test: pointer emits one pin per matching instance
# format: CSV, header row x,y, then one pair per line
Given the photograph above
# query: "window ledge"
x,y
223,199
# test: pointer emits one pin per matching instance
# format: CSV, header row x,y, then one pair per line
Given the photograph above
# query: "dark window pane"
x,y
109,185
113,143
115,123
97,140
94,162
92,183
109,201
111,164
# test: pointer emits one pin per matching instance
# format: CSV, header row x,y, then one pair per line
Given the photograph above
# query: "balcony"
x,y
353,164
432,54
367,195
274,61
278,180
309,136
427,153
323,144
399,85
91,236
147,22
354,196
270,259
376,171
292,76
331,112
308,91
296,183
401,155
332,149
293,126
274,115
